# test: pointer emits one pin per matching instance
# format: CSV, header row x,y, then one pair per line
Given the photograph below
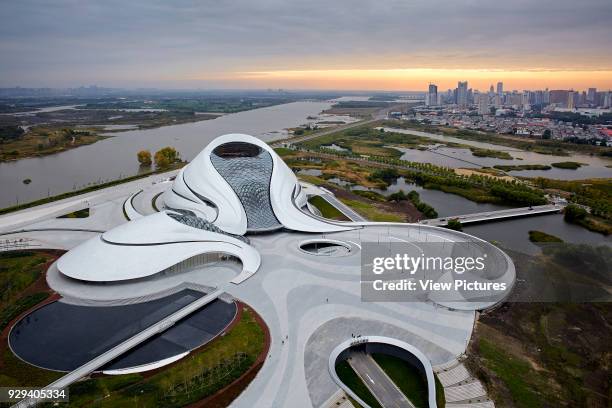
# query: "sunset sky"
x,y
315,44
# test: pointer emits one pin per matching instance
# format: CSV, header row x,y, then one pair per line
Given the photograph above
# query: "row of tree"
x,y
163,158
10,133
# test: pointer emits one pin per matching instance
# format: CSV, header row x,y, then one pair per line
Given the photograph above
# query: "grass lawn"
x,y
82,213
596,224
192,379
14,372
544,354
409,380
371,213
539,236
19,273
367,141
327,210
348,376
374,149
477,195
569,165
490,153
523,167
514,372
45,139
407,377
317,181
20,305
18,270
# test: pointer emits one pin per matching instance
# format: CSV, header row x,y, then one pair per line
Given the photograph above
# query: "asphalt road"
x,y
379,384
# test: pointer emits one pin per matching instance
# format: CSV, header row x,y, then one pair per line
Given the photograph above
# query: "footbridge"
x,y
496,215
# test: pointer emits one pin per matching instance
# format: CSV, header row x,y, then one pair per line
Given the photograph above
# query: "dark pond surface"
x,y
514,233
444,203
62,336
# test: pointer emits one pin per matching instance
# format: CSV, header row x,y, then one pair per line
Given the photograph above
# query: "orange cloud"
x,y
418,78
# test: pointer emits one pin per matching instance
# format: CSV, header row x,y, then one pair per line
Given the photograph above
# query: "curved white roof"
x,y
147,246
201,187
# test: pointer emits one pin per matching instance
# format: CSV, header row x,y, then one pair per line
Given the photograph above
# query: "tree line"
x,y
163,158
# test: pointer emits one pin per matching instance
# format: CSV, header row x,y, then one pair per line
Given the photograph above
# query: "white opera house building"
x,y
236,220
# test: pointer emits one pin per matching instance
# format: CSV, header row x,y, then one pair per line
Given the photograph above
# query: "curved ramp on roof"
x,y
151,245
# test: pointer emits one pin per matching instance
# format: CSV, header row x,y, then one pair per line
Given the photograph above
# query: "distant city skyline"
x,y
448,85
368,45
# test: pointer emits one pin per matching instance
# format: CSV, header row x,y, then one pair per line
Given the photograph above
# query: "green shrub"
x,y
539,236
372,195
454,224
574,213
570,165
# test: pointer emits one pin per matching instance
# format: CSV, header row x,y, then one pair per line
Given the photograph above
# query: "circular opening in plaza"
x,y
325,247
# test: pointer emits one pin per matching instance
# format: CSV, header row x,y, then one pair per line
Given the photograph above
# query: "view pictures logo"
x,y
414,264
442,272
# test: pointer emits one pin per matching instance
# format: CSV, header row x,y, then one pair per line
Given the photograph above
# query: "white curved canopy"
x,y
148,246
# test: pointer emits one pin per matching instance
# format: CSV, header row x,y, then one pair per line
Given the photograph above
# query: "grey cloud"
x,y
93,40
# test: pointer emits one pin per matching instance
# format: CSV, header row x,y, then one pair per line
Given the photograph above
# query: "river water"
x,y
116,156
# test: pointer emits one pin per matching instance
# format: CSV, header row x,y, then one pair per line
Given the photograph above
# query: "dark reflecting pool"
x,y
326,247
61,336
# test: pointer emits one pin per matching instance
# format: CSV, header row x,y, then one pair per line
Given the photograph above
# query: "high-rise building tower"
x,y
500,89
591,95
431,98
483,104
462,93
497,101
526,100
559,97
538,98
570,100
607,100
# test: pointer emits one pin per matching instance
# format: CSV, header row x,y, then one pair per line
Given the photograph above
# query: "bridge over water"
x,y
496,215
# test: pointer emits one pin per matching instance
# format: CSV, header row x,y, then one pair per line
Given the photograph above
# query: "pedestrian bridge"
x,y
496,215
